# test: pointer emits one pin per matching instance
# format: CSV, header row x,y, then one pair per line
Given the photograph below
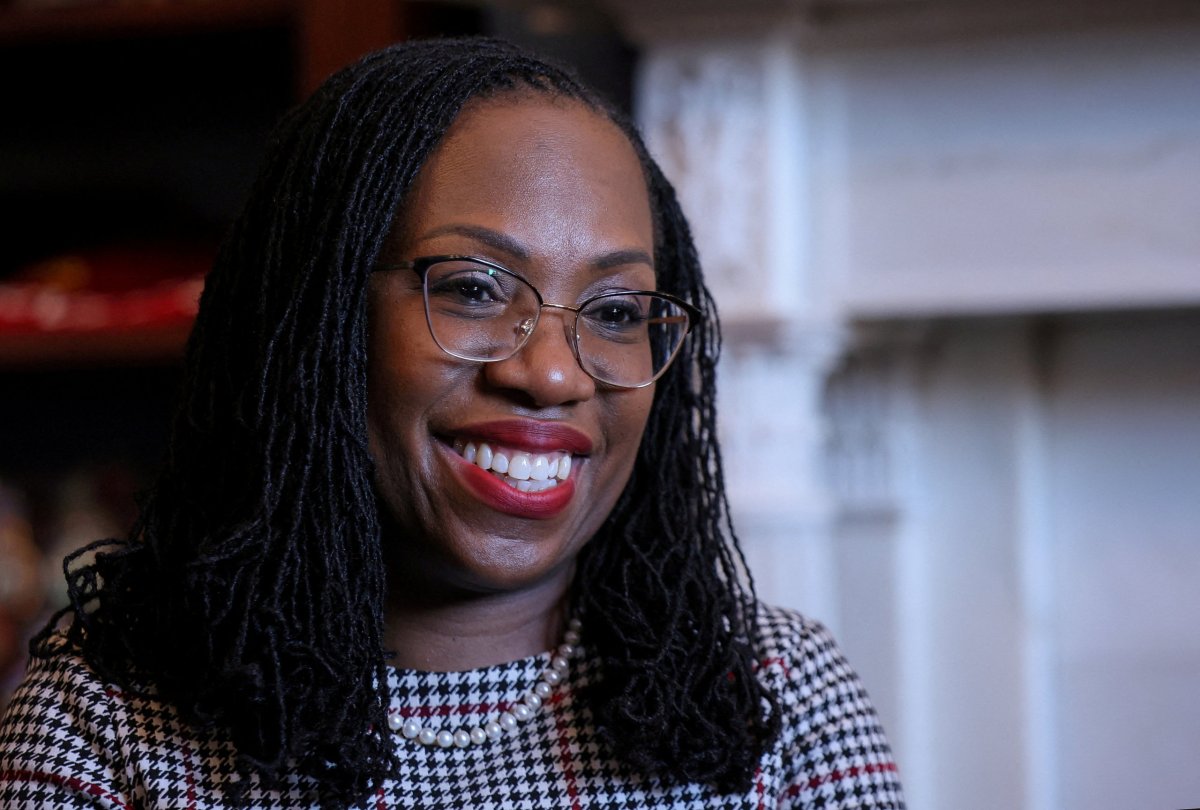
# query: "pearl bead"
x,y
412,729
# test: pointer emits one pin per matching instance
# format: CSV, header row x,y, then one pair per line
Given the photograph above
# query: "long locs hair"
x,y
251,590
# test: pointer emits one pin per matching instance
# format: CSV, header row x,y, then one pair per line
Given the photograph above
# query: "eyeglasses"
x,y
480,311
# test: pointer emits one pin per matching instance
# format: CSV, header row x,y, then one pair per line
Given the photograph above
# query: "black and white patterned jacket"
x,y
70,741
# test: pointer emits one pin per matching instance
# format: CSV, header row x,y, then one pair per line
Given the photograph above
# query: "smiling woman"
x,y
443,523
552,188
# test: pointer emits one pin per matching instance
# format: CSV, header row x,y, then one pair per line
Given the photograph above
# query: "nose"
x,y
545,369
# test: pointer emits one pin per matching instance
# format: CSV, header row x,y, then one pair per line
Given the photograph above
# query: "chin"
x,y
517,566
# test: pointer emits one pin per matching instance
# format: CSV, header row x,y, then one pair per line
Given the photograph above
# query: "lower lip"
x,y
503,498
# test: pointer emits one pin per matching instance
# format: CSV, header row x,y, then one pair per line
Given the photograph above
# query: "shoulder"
x,y
57,736
72,740
832,745
782,630
798,646
800,661
60,687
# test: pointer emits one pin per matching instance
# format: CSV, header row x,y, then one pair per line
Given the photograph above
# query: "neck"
x,y
461,634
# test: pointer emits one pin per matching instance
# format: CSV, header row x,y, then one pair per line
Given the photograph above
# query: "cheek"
x,y
400,375
398,409
403,384
629,417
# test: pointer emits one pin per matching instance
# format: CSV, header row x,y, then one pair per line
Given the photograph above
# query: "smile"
x,y
521,470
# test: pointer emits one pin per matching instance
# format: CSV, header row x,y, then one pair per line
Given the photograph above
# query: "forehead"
x,y
551,173
500,133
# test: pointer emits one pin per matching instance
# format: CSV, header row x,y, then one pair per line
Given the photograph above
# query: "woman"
x,y
443,414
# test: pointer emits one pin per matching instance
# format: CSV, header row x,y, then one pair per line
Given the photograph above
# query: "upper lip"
x,y
528,434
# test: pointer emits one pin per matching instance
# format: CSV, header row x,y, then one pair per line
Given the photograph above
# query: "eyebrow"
x,y
620,257
506,244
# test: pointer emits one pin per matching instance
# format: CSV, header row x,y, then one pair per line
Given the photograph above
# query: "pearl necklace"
x,y
508,721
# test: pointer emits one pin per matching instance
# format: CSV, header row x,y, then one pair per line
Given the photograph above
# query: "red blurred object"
x,y
134,302
113,288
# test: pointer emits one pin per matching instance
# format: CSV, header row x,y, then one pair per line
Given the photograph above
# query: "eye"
x,y
467,287
616,312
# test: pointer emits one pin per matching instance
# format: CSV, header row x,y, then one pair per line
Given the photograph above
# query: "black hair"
x,y
251,590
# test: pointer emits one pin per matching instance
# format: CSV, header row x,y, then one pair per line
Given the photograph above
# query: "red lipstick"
x,y
525,435
528,434
503,498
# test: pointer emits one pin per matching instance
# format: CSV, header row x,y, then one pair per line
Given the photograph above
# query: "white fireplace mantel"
x,y
955,248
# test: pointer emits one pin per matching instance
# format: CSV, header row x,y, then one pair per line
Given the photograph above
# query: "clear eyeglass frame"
x,y
681,316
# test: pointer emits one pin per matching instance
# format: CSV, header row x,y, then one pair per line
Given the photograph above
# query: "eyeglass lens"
x,y
478,312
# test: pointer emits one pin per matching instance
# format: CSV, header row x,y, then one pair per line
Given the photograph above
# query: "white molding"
x,y
1036,580
875,23
1041,174
728,123
916,752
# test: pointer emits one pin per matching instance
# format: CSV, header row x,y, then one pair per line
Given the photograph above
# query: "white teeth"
x,y
531,486
518,466
500,462
527,472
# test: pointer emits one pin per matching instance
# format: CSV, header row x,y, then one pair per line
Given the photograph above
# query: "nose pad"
x,y
546,367
525,327
529,325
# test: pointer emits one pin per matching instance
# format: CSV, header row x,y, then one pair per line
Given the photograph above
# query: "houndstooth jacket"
x,y
70,741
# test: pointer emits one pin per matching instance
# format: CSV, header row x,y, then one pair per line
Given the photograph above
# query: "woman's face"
x,y
553,191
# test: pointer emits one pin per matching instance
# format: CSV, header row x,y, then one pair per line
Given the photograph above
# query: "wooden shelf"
x,y
134,347
105,20
317,37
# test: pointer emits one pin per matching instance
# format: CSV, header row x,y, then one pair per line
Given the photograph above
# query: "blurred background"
x,y
956,247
